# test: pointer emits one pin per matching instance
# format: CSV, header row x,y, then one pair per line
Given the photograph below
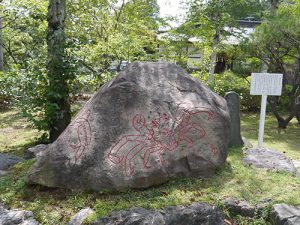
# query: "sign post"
x,y
265,84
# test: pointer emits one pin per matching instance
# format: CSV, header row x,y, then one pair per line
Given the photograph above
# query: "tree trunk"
x,y
274,5
58,109
282,123
298,112
1,48
213,59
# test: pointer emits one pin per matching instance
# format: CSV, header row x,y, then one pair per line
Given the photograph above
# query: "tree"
x,y
215,20
1,48
105,31
58,107
276,42
24,48
80,45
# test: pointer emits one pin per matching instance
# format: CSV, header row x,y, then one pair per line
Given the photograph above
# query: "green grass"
x,y
56,206
16,134
283,140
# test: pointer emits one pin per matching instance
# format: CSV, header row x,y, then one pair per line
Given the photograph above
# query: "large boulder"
x,y
150,123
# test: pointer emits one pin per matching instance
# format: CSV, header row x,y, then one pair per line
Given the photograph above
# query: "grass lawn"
x,y
287,141
56,206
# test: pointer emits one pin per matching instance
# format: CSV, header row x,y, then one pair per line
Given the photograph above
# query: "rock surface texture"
x,y
283,214
237,207
269,159
32,152
194,214
150,123
16,217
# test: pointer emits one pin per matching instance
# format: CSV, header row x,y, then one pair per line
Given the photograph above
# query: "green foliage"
x,y
212,22
276,43
102,31
232,82
244,66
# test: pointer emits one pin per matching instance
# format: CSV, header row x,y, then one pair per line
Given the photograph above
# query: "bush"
x,y
246,66
229,81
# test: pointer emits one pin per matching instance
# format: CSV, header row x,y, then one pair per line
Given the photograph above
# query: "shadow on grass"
x,y
19,150
10,118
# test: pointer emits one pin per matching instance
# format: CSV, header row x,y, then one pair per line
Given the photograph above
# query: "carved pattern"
x,y
163,134
84,135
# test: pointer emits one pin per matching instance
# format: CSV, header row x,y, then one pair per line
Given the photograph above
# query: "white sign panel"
x,y
266,84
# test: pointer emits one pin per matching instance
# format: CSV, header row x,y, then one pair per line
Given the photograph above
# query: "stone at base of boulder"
x,y
32,152
247,143
79,218
237,207
16,217
195,214
269,159
283,214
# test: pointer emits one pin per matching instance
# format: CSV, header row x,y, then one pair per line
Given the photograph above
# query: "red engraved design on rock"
x,y
163,134
214,151
83,132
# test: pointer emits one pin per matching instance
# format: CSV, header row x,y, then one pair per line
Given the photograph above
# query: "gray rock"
x,y
233,103
283,214
237,207
269,159
3,172
79,218
7,161
151,123
297,165
16,217
247,143
195,214
32,152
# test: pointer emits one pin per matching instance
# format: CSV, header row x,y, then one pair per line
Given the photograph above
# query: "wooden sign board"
x,y
266,84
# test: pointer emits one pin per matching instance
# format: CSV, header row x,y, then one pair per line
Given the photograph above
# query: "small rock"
x,y
16,217
247,143
283,214
269,159
2,172
32,152
195,214
242,208
297,165
7,161
265,200
79,218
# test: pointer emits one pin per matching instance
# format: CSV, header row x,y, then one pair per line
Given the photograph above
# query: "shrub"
x,y
229,81
246,66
